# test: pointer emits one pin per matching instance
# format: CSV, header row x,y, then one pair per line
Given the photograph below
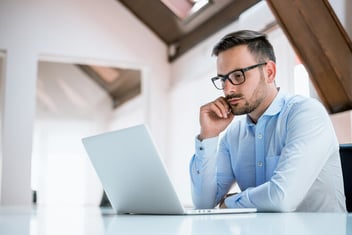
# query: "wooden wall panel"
x,y
323,46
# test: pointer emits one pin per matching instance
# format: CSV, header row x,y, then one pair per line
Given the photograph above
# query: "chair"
x,y
346,162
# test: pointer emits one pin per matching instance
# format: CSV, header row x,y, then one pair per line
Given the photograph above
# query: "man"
x,y
283,154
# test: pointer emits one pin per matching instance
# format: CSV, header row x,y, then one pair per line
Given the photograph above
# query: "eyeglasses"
x,y
236,77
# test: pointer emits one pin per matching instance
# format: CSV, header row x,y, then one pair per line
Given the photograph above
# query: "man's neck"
x,y
258,112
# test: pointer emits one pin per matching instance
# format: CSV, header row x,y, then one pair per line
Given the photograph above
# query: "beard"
x,y
250,104
238,109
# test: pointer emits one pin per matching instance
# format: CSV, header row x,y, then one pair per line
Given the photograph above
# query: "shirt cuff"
x,y
206,147
240,200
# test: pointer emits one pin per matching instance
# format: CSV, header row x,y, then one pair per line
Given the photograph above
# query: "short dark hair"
x,y
257,43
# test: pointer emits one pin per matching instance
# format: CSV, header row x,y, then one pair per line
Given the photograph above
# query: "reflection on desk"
x,y
85,220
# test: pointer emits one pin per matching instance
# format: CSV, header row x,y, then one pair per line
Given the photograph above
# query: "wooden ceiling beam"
x,y
322,44
227,15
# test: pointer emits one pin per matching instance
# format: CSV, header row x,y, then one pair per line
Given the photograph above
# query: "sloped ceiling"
x,y
121,84
182,35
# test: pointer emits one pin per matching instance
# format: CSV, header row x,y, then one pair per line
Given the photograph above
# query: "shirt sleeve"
x,y
310,141
203,173
211,173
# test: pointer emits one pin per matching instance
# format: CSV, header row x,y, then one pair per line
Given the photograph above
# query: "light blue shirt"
x,y
287,161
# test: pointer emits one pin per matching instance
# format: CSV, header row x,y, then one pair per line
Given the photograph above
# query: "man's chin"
x,y
236,110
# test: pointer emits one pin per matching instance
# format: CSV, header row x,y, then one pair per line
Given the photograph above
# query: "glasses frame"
x,y
227,76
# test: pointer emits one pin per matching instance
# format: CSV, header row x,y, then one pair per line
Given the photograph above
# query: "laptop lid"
x,y
131,172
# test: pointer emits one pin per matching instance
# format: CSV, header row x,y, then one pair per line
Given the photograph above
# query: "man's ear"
x,y
270,70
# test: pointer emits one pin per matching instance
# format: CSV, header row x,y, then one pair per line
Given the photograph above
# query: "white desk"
x,y
40,221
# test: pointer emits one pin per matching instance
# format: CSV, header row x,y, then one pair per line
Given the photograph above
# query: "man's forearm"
x,y
203,184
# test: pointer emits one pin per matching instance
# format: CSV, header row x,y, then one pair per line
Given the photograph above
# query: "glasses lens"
x,y
237,77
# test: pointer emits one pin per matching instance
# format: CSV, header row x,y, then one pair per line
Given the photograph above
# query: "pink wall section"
x,y
343,126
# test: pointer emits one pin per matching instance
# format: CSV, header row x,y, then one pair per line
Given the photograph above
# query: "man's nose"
x,y
228,87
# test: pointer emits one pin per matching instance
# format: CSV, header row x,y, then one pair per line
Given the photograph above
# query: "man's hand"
x,y
222,202
214,117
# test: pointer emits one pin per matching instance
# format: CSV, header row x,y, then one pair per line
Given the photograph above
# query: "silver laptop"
x,y
133,175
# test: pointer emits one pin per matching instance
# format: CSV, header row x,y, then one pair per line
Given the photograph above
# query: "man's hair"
x,y
257,43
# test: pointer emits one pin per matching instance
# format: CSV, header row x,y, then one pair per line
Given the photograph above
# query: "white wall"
x,y
343,126
2,73
342,9
75,31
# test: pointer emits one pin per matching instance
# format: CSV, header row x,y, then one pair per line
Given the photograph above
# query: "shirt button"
x,y
201,148
260,164
260,136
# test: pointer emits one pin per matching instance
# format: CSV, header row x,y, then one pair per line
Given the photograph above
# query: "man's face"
x,y
247,97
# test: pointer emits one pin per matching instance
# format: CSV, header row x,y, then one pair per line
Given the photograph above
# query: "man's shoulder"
x,y
298,107
300,101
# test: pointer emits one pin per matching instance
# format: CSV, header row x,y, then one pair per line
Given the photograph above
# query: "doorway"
x,y
75,100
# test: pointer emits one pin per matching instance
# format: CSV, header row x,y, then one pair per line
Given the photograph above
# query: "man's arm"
x,y
208,185
203,174
214,117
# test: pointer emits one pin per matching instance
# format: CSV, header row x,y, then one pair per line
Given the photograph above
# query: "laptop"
x,y
133,174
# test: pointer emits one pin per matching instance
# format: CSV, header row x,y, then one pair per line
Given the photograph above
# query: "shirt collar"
x,y
275,106
273,109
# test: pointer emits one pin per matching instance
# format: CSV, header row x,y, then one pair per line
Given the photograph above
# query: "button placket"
x,y
259,155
